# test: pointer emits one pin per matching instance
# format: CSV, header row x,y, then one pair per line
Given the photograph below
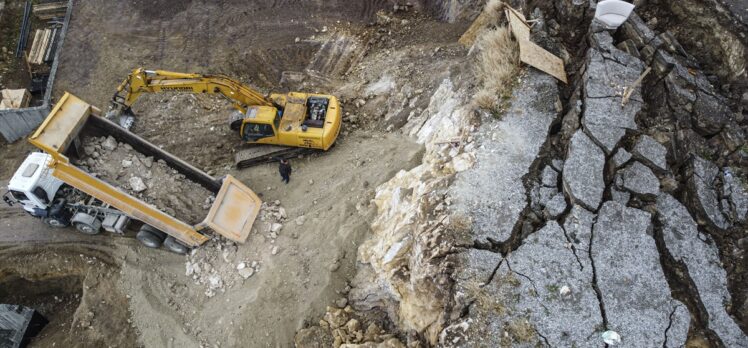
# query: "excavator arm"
x,y
155,81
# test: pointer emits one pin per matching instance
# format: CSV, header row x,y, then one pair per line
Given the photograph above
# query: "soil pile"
x,y
152,181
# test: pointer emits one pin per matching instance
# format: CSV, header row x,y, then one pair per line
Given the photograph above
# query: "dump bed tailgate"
x,y
234,210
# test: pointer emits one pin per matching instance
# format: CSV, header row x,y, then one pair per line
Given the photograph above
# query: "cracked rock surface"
x,y
605,79
635,293
639,179
583,172
651,153
493,192
700,255
705,197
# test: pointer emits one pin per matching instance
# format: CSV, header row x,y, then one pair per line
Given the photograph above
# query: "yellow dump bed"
x,y
231,215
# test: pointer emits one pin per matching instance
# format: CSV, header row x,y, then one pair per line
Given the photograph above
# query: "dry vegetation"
x,y
497,68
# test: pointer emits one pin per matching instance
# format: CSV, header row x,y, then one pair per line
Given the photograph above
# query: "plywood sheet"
x,y
530,53
539,58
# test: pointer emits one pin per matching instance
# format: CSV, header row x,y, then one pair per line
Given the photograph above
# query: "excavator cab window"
x,y
257,131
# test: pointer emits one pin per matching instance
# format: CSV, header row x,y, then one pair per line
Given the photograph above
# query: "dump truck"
x,y
49,186
277,126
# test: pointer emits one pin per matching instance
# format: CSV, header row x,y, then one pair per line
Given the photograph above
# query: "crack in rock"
x,y
701,258
633,286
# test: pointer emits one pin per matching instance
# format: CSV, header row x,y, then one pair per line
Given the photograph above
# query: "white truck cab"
x,y
33,186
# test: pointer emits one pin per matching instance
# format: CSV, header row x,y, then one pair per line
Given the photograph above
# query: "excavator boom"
x,y
141,81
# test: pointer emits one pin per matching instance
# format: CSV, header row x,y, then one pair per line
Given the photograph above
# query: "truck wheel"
x,y
56,222
148,239
150,236
86,224
175,246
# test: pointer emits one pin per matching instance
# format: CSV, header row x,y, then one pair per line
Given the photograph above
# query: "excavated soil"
x,y
74,286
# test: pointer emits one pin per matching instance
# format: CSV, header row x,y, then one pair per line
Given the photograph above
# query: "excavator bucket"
x,y
234,210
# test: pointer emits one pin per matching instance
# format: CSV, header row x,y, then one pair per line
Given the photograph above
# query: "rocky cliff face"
x,y
603,211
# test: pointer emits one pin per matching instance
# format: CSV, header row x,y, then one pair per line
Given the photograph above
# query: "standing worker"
x,y
285,170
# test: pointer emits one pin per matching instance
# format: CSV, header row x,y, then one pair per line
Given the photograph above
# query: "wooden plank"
x,y
530,53
35,46
517,24
39,46
50,10
536,56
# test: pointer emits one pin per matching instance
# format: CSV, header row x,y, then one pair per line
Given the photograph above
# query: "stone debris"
x,y
651,153
549,177
736,196
703,195
555,207
217,264
632,283
621,157
300,220
137,184
246,272
157,184
213,266
611,338
701,256
639,179
583,172
109,143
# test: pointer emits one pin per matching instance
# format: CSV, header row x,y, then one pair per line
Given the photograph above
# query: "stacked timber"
x,y
14,98
50,10
42,49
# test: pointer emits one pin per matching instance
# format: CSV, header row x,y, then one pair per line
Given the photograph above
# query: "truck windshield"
x,y
19,196
256,131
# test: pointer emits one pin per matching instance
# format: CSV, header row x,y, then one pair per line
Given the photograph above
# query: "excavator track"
x,y
259,154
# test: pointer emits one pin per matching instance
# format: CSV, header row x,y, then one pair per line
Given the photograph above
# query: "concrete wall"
x,y
17,123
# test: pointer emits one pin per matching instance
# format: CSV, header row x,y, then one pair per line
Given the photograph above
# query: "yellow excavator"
x,y
285,125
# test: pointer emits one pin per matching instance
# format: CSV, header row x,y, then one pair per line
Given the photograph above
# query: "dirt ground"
x,y
13,72
378,65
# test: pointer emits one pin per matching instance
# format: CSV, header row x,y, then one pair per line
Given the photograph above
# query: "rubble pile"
x,y
218,265
341,327
150,180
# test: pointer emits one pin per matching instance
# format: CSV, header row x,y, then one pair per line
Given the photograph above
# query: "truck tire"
x,y
153,230
175,246
86,224
148,239
56,222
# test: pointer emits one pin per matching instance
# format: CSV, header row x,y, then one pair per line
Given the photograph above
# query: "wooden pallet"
x,y
50,10
14,98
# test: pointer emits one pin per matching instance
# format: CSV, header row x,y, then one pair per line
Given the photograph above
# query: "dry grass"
x,y
497,68
490,17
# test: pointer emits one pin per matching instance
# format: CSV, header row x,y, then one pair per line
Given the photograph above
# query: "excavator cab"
x,y
260,124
